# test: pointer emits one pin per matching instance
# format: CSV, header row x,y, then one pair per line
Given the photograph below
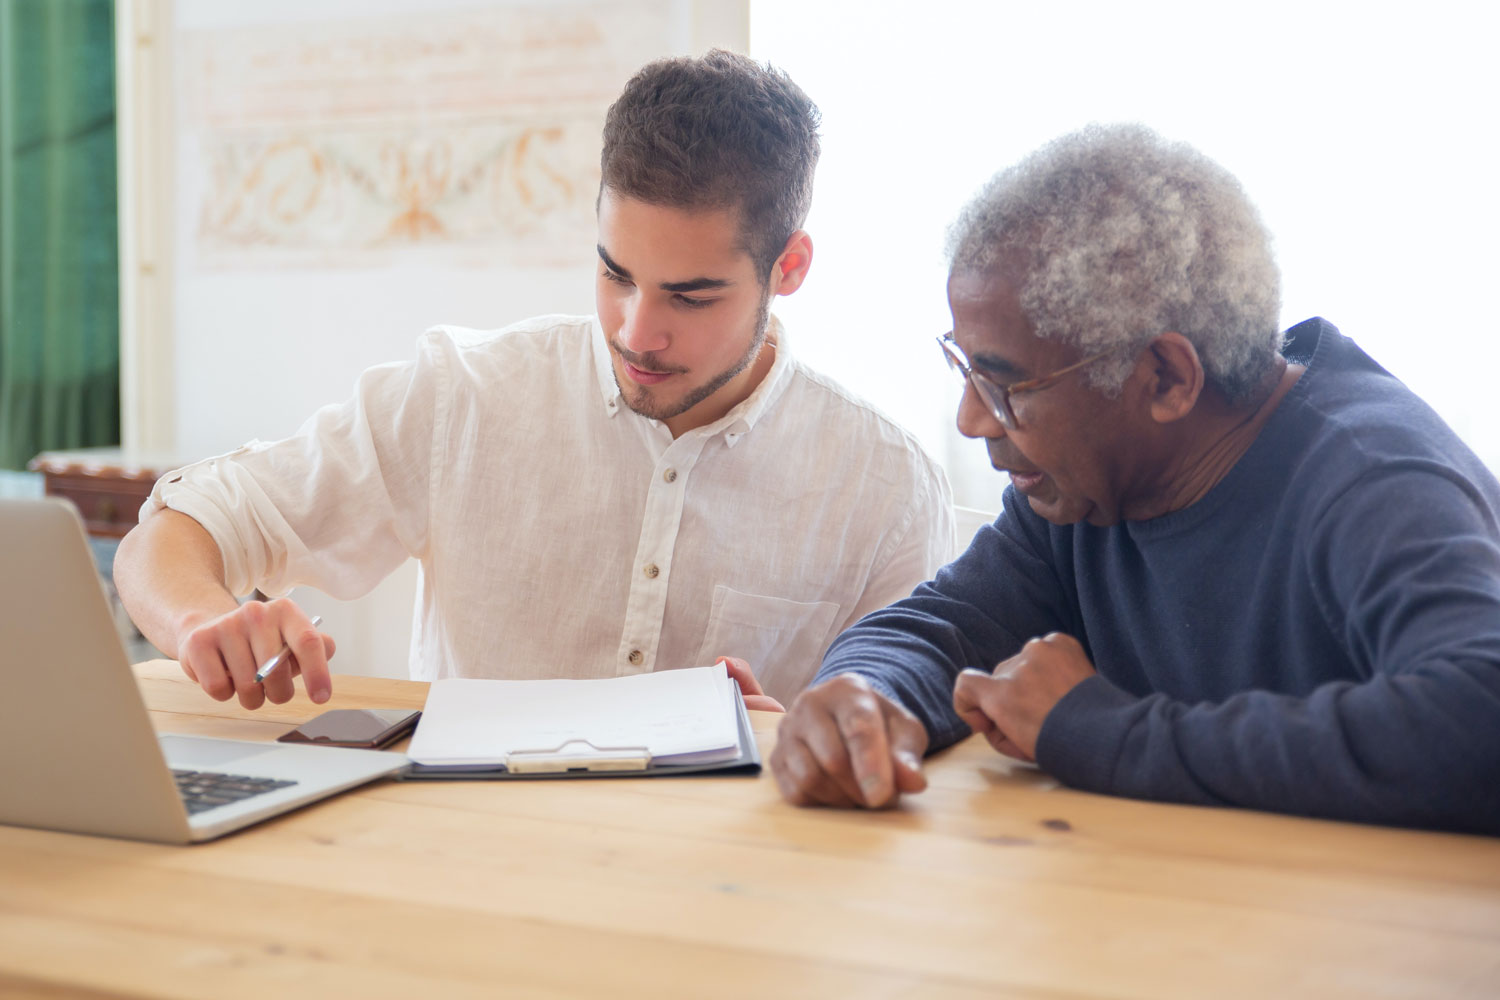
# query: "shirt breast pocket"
x,y
782,640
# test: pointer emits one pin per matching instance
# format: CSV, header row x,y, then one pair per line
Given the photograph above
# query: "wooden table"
x,y
993,883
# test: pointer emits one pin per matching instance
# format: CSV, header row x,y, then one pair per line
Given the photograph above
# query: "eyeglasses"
x,y
996,396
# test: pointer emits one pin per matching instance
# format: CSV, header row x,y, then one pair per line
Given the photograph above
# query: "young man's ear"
x,y
1175,379
790,269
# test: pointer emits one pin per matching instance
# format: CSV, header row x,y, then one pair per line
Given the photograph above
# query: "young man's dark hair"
x,y
718,132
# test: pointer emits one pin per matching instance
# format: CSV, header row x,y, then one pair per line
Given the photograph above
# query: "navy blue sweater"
x,y
1319,634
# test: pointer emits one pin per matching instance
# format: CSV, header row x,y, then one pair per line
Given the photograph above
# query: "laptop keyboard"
x,y
203,790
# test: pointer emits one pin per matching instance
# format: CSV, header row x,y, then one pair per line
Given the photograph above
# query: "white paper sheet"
x,y
676,716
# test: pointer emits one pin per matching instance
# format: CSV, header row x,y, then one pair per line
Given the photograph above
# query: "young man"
x,y
1234,567
648,488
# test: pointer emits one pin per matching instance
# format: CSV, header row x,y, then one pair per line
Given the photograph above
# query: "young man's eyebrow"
x,y
691,285
609,262
695,285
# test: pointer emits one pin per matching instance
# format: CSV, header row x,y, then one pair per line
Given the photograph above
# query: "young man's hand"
x,y
756,699
222,654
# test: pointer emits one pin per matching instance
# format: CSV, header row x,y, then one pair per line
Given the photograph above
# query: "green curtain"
x,y
59,257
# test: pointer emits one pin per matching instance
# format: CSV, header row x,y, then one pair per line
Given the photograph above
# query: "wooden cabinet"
x,y
107,486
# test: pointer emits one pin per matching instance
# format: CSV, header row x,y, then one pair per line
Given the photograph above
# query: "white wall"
x,y
1363,131
259,348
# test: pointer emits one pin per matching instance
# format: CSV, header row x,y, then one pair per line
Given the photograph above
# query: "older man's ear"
x,y
1174,377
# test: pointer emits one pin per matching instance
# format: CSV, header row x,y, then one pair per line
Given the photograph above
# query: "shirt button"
x,y
635,657
670,475
651,571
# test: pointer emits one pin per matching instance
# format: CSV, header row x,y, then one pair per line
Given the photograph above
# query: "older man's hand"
x,y
845,744
1009,705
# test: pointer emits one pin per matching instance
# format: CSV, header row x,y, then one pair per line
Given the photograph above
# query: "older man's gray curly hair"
x,y
1116,235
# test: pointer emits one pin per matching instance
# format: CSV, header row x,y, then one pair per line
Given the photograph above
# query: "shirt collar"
x,y
734,424
604,371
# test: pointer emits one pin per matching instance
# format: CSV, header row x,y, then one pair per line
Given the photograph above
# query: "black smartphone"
x,y
367,728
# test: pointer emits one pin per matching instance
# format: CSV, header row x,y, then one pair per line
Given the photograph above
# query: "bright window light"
x,y
1363,132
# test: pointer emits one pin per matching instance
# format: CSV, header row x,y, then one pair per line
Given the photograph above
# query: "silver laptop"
x,y
77,749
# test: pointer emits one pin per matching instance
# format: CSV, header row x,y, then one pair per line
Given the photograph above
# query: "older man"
x,y
1233,567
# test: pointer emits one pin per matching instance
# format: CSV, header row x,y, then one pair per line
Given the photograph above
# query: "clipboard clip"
x,y
577,755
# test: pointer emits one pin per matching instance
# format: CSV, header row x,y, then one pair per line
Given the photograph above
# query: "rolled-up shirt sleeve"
x,y
336,506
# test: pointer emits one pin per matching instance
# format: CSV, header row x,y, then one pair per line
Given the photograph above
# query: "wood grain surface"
x,y
995,882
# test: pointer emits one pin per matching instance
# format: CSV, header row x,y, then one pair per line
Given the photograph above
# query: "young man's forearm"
x,y
170,575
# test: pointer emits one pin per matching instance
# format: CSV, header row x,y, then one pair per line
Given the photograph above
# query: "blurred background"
x,y
214,215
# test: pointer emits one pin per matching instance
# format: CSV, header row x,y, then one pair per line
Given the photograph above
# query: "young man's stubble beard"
x,y
641,401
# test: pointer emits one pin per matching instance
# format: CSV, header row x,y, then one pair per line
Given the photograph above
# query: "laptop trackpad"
x,y
201,752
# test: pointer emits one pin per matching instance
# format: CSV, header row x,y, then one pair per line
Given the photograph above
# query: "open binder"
x,y
673,722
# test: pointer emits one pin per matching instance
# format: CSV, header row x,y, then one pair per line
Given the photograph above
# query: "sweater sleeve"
x,y
977,611
1405,566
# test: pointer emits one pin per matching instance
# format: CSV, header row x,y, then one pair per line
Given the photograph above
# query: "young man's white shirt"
x,y
561,534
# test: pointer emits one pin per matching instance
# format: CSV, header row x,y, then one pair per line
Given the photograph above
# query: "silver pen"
x,y
281,657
